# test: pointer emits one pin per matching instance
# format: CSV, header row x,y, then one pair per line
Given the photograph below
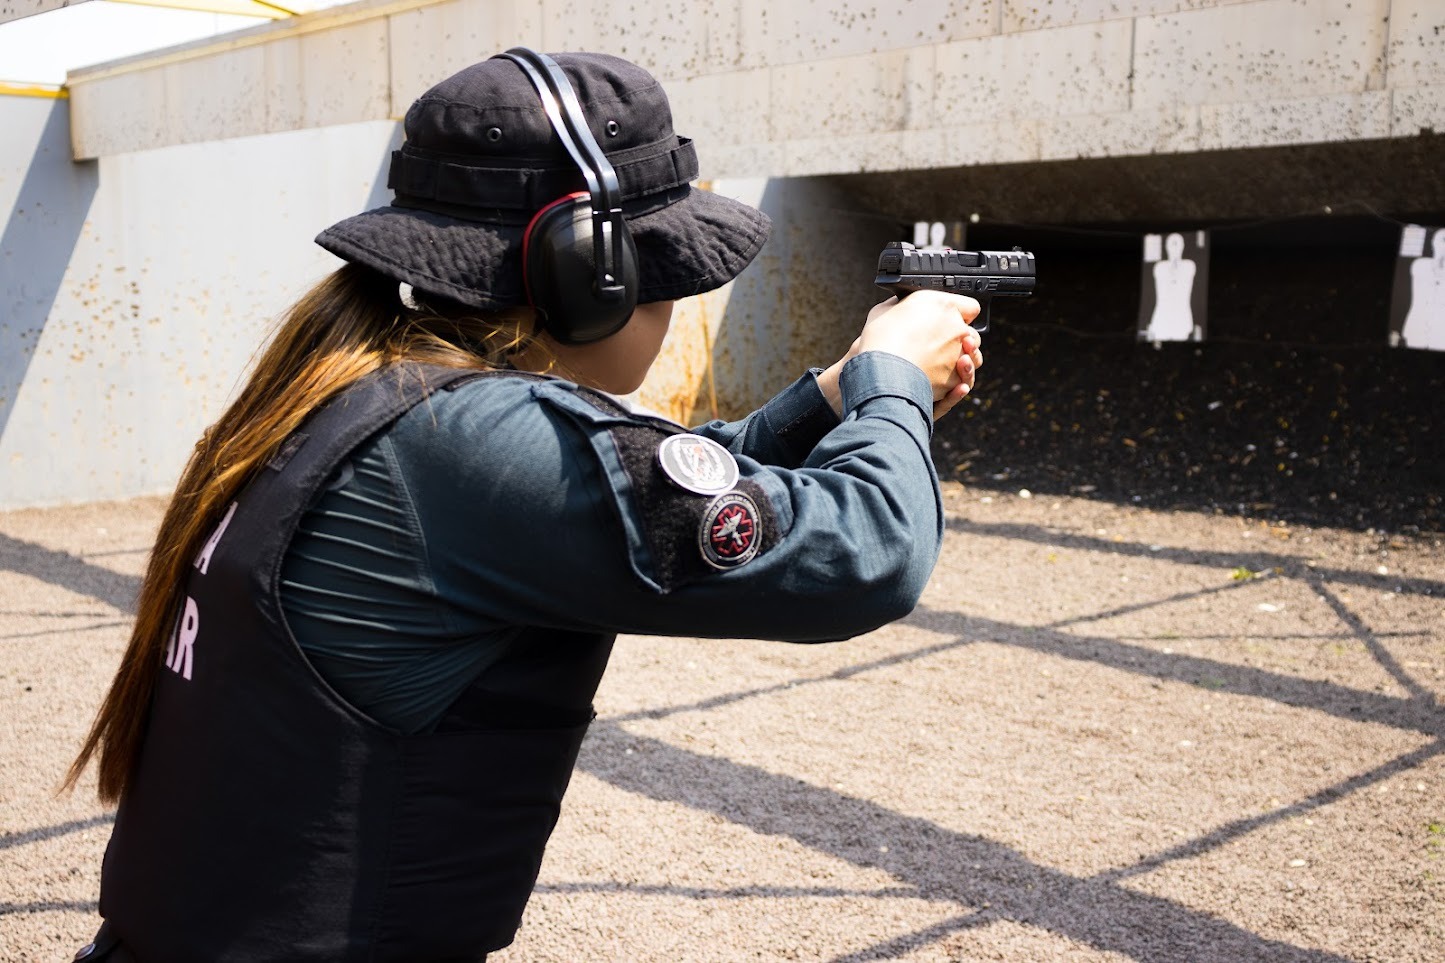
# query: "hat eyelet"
x,y
494,134
613,129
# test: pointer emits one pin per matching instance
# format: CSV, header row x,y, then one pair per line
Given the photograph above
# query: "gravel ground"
x,y
1110,732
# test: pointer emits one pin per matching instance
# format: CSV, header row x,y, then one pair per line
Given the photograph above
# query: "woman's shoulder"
x,y
506,422
496,450
501,400
490,404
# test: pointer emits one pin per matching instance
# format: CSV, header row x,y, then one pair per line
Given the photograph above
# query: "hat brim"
x,y
693,245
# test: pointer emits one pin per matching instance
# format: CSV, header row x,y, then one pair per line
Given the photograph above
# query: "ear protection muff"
x,y
560,269
579,262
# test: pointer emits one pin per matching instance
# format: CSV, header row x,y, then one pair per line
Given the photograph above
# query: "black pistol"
x,y
982,275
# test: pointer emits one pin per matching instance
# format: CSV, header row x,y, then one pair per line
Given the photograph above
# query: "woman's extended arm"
x,y
784,430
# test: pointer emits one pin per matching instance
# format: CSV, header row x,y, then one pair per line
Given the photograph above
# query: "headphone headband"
x,y
564,111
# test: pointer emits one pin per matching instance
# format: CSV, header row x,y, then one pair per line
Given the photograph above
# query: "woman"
x,y
383,596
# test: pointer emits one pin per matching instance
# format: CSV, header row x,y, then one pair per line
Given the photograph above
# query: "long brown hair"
x,y
348,325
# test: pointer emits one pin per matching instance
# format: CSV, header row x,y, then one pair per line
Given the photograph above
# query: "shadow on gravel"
x,y
1268,565
51,906
1241,827
1352,438
69,572
1255,561
68,630
737,892
1419,713
1415,714
10,840
928,858
933,862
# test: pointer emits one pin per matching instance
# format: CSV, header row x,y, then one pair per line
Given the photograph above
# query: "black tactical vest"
x,y
269,820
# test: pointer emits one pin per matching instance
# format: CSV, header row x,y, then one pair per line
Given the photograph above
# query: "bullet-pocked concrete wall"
x,y
135,289
137,282
15,9
835,86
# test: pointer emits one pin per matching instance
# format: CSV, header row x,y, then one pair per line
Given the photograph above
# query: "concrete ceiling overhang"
x,y
333,66
1075,85
16,9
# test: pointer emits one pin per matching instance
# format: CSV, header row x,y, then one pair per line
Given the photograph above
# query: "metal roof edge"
x,y
50,91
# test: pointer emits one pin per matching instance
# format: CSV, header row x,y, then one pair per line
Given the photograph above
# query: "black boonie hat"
x,y
481,158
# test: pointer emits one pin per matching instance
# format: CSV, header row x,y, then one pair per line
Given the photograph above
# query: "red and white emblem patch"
x,y
731,532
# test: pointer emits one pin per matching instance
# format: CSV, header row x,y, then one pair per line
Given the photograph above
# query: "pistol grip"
x,y
979,324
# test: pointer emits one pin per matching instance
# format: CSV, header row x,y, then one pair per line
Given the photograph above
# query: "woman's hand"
x,y
968,364
928,328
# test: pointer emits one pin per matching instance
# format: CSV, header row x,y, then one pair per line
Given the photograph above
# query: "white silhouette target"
x,y
1417,306
1174,285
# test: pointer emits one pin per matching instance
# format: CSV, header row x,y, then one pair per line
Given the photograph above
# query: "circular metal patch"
x,y
698,464
731,532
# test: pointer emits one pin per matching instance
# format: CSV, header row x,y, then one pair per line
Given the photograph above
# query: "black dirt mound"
x,y
1322,435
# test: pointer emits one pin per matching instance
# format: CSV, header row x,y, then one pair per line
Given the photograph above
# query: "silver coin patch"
x,y
697,464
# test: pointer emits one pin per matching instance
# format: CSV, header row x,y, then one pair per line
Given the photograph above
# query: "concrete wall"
x,y
136,286
134,289
15,9
838,86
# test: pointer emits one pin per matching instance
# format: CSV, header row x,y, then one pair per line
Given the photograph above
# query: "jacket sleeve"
x,y
541,508
782,432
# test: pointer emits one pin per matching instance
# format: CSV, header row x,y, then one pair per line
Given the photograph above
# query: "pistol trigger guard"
x,y
980,322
